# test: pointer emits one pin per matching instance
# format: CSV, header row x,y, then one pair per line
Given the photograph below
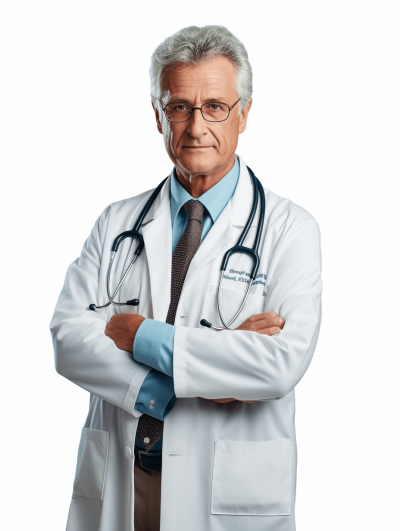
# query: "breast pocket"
x,y
252,478
230,304
91,464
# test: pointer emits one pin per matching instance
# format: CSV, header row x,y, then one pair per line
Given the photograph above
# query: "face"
x,y
197,147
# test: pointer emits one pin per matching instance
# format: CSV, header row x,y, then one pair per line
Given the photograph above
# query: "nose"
x,y
197,126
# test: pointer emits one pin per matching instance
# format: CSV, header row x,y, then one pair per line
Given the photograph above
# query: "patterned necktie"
x,y
150,429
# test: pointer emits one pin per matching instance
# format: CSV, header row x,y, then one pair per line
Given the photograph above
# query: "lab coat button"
x,y
146,440
128,452
152,401
151,406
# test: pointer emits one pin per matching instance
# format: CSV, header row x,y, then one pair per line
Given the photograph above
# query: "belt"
x,y
148,460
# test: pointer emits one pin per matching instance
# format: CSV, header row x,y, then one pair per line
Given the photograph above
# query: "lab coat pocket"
x,y
230,303
91,465
252,478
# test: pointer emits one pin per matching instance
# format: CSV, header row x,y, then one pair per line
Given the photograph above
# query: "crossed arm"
x,y
122,329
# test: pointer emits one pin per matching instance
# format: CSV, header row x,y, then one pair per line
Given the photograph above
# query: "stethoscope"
x,y
258,193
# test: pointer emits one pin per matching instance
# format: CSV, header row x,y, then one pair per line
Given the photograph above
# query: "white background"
x,y
77,132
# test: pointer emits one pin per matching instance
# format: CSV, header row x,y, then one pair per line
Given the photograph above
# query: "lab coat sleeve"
x,y
250,366
83,354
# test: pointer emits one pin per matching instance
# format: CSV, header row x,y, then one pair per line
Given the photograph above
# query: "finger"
x,y
270,331
262,320
263,315
267,323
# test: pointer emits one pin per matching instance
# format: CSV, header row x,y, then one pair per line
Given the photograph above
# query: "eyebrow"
x,y
184,100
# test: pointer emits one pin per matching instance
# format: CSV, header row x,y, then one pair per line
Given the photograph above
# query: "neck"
x,y
197,184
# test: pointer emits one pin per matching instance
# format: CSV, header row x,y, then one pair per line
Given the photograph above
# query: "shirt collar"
x,y
214,200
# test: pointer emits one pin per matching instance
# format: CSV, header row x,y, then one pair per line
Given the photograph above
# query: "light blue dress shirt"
x,y
154,340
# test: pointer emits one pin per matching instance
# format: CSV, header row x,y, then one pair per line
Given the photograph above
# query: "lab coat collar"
x,y
241,201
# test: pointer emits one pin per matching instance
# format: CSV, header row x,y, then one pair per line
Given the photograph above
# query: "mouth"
x,y
197,147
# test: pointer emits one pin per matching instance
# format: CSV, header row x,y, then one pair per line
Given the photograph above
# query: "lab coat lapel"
x,y
216,242
222,234
157,235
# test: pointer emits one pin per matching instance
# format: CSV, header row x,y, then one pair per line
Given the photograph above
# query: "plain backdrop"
x,y
78,132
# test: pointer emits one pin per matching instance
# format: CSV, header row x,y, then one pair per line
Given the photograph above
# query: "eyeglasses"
x,y
214,111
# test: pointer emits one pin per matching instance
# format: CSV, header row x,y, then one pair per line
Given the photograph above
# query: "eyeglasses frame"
x,y
201,110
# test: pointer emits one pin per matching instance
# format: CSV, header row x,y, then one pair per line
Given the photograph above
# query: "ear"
x,y
243,116
159,126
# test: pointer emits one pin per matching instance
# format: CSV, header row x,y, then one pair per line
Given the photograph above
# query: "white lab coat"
x,y
226,467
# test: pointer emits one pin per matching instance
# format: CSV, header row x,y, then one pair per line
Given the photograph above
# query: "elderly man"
x,y
191,427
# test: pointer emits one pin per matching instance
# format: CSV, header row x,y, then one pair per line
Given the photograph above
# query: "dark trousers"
x,y
147,498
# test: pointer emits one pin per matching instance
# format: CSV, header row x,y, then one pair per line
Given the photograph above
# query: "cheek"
x,y
224,141
176,138
231,139
227,137
171,142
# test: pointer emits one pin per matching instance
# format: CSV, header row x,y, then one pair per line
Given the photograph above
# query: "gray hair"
x,y
191,46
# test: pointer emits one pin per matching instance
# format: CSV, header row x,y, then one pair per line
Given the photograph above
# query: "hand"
x,y
122,328
267,323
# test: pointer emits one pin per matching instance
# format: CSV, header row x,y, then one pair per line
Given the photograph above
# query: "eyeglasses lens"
x,y
212,112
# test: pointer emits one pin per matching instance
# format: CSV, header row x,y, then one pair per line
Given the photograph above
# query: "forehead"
x,y
213,78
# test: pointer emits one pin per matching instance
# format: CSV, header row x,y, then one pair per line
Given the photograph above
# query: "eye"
x,y
214,107
179,107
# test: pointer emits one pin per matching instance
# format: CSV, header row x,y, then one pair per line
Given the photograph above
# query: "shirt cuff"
x,y
156,396
154,345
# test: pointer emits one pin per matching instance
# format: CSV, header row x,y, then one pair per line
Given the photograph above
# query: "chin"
x,y
198,163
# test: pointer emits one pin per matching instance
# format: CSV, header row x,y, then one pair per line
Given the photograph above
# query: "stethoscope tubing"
x,y
134,233
227,325
239,248
258,195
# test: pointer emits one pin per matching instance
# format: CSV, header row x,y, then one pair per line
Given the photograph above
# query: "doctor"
x,y
190,428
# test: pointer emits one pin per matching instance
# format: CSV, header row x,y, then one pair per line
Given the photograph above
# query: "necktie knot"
x,y
194,210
